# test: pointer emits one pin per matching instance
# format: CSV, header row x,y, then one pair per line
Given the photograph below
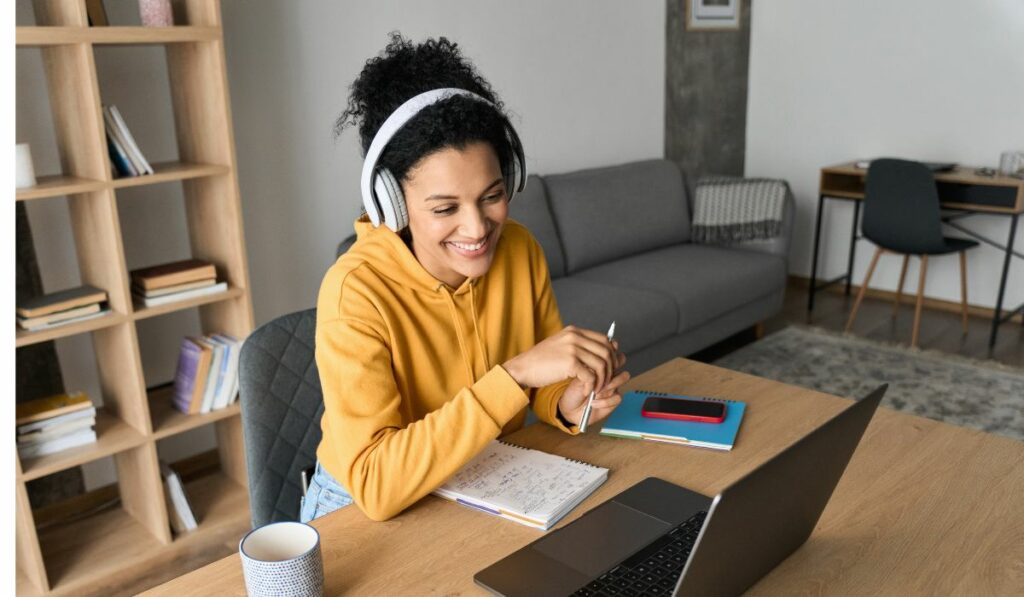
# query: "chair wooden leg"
x,y
863,288
899,289
963,288
920,301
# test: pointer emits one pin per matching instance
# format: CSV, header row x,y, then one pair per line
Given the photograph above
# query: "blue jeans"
x,y
324,495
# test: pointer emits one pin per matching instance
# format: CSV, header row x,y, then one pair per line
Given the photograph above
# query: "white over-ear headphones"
x,y
382,193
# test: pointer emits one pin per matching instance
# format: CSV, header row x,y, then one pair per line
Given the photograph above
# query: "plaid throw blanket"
x,y
730,210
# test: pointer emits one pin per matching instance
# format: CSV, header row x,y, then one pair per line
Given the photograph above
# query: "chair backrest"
x,y
901,207
281,408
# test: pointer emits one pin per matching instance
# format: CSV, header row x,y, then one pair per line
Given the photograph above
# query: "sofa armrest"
x,y
780,244
344,245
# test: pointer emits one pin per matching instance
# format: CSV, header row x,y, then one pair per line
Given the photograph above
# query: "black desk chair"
x,y
281,408
901,215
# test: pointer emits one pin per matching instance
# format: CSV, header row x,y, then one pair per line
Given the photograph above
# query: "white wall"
x,y
584,80
922,79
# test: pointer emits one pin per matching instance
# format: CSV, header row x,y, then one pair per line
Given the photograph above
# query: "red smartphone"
x,y
684,409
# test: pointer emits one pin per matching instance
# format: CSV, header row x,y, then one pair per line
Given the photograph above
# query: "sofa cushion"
x,y
608,213
530,208
705,282
642,317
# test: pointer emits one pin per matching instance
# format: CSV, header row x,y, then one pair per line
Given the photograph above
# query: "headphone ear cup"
x,y
391,200
371,203
512,182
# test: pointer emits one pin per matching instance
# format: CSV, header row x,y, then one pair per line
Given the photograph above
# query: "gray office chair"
x,y
902,216
281,408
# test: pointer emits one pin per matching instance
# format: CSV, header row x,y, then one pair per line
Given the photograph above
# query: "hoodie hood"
x,y
386,252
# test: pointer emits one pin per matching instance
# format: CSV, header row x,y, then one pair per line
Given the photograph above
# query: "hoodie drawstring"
x,y
458,333
476,327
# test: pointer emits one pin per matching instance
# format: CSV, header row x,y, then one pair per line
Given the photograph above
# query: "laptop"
x,y
657,538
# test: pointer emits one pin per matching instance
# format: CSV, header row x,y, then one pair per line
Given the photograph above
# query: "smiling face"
x,y
457,208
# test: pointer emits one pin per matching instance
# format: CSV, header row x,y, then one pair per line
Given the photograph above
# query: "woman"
x,y
434,337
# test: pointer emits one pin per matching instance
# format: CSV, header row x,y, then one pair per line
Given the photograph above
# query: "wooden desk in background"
x,y
923,508
960,189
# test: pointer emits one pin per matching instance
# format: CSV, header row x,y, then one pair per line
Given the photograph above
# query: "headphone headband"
x,y
394,214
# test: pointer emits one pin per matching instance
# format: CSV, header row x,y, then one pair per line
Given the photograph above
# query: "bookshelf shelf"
x,y
112,436
169,172
168,421
56,36
217,502
114,532
58,185
103,551
146,312
26,337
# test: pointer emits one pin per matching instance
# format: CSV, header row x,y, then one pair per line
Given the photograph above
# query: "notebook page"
x,y
528,482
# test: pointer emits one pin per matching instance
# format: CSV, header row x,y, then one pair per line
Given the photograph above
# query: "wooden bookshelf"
x,y
91,553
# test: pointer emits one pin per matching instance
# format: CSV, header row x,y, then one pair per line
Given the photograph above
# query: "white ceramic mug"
x,y
24,172
1011,162
282,558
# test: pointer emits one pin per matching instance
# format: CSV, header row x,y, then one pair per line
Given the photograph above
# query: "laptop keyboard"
x,y
655,569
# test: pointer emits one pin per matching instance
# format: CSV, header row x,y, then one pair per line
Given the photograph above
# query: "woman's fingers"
x,y
599,347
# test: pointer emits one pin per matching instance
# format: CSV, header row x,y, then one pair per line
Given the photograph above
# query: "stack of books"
x,y
125,155
62,308
207,374
170,282
183,519
56,423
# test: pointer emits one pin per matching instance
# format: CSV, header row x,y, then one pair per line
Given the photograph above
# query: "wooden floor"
x,y
940,330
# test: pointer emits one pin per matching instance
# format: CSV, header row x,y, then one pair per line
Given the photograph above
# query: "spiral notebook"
x,y
527,486
628,422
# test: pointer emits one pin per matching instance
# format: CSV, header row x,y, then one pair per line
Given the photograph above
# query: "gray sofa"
x,y
617,241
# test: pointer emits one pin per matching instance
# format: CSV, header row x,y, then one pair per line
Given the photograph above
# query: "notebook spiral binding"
x,y
573,460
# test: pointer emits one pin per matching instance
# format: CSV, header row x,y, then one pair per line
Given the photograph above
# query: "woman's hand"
x,y
585,356
574,400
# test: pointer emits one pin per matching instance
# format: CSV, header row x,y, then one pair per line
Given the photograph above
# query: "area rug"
x,y
956,390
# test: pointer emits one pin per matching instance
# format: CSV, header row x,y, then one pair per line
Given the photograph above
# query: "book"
x,y
221,395
43,424
35,322
51,406
133,147
628,422
60,301
97,14
179,508
180,296
190,375
142,292
527,486
55,431
119,159
72,440
170,274
121,142
214,375
55,324
230,391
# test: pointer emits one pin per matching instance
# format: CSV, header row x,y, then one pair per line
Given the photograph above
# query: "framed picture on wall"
x,y
712,15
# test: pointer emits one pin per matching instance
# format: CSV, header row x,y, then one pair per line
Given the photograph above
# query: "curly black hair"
x,y
403,70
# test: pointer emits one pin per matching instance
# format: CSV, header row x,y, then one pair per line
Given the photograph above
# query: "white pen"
x,y
585,420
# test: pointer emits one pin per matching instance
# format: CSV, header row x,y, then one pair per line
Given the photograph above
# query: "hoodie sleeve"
x,y
548,322
385,464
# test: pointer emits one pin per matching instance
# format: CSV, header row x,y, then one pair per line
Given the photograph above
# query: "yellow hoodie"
x,y
411,369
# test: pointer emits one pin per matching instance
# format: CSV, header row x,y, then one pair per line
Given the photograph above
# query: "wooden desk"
x,y
923,508
962,190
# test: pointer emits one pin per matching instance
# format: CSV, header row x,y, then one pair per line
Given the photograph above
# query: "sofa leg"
x,y
759,330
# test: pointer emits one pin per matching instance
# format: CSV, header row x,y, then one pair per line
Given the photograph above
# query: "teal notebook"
x,y
627,421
